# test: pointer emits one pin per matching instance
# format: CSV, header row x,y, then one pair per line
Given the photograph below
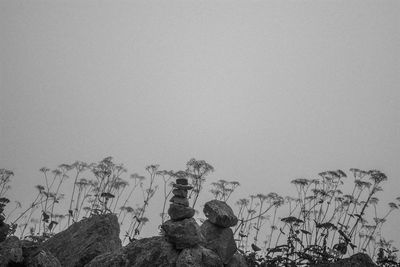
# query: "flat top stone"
x,y
219,213
182,181
181,186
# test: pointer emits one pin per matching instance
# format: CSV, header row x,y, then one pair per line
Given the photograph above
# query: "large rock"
x,y
198,257
4,229
179,212
84,240
220,240
110,259
14,252
219,213
153,251
183,234
237,260
10,252
41,258
356,260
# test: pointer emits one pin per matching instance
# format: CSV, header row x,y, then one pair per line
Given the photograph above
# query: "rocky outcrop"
x,y
35,256
84,240
4,228
237,260
10,251
356,260
14,252
219,213
198,257
153,251
184,243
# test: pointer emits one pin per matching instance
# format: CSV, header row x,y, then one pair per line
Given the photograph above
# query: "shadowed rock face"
x,y
10,251
14,252
198,257
153,251
219,239
84,240
357,260
237,260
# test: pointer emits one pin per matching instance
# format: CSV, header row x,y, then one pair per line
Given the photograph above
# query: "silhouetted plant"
x,y
197,170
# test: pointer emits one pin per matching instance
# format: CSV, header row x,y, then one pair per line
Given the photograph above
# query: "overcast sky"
x,y
265,91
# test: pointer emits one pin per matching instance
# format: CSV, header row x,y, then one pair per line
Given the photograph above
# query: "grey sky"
x,y
266,91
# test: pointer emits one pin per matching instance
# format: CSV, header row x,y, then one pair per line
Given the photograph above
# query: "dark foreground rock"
x,y
357,260
10,251
36,256
198,257
84,240
14,252
219,213
153,251
237,260
220,240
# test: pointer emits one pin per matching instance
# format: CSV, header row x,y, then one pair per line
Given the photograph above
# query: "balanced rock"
x,y
180,192
219,213
183,234
180,201
84,240
180,212
198,257
219,239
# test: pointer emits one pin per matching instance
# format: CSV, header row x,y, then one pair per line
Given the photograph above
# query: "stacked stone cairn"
x,y
182,230
211,244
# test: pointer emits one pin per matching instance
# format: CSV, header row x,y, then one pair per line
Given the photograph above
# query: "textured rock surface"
x,y
14,252
183,234
41,258
237,260
219,239
180,201
10,251
198,257
84,240
180,192
356,260
183,187
182,181
110,259
4,228
219,213
179,212
153,251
